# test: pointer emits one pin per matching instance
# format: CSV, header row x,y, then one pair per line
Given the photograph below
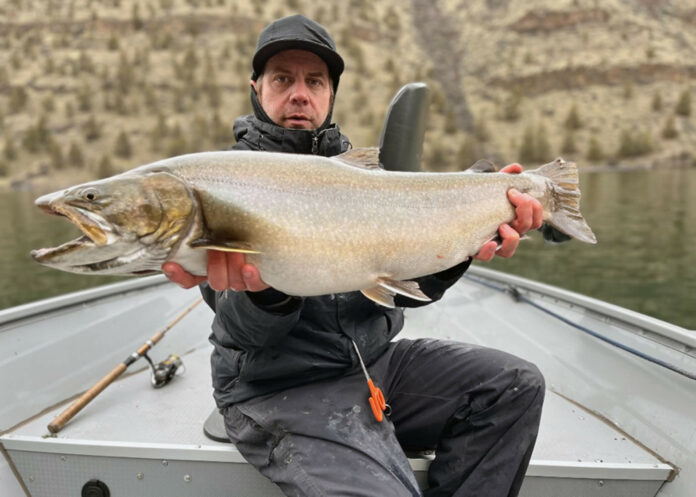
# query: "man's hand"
x,y
226,270
528,216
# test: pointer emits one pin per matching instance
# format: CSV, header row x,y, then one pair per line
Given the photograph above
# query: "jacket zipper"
x,y
315,144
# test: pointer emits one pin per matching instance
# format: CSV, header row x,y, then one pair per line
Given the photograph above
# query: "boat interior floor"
x,y
133,436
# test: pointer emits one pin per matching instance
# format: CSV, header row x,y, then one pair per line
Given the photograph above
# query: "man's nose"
x,y
300,93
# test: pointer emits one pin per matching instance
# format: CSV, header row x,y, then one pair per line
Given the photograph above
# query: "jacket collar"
x,y
259,135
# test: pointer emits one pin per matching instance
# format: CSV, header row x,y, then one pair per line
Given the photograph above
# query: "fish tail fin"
x,y
565,213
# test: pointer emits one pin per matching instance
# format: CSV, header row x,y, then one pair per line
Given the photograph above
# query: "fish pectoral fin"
x,y
380,295
206,243
408,289
366,157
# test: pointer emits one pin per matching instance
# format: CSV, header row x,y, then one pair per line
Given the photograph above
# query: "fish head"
x,y
130,223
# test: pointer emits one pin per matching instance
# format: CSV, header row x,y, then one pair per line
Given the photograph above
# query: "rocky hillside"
x,y
92,87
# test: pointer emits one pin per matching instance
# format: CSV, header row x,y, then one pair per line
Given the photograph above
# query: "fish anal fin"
x,y
380,295
206,243
408,289
366,157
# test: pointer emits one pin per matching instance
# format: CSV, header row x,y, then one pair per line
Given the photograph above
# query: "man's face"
x,y
295,89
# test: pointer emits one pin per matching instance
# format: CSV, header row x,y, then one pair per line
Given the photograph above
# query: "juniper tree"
x,y
568,145
55,152
122,147
511,107
669,131
105,167
594,151
572,120
75,157
683,107
10,151
92,129
656,103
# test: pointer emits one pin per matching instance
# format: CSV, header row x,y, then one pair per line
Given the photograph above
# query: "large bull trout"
x,y
312,225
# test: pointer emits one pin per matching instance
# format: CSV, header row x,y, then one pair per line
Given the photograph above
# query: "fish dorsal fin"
x,y
482,166
366,157
387,288
207,243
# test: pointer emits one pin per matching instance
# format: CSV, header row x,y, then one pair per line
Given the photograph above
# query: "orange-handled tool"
x,y
377,402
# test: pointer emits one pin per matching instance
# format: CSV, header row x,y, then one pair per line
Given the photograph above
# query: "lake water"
x,y
645,260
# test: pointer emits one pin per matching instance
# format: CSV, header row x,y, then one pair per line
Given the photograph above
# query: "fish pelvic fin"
x,y
380,295
387,288
565,191
206,243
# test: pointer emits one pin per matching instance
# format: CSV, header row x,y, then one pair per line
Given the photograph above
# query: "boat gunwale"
x,y
38,307
614,312
229,454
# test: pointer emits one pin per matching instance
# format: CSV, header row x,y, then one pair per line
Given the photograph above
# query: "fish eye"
x,y
89,194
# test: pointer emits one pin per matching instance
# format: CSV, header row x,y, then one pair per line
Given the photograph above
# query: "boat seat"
x,y
214,427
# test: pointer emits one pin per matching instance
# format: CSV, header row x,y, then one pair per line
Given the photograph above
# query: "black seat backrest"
x,y
401,142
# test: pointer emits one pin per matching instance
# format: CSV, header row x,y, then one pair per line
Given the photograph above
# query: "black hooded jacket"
x,y
267,341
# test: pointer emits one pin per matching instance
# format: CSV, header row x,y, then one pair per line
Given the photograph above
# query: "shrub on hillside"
x,y
572,120
635,144
669,131
535,147
683,107
656,104
122,147
568,146
92,129
594,150
105,167
75,157
10,151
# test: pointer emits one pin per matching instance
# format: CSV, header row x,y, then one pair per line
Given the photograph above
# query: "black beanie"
x,y
297,32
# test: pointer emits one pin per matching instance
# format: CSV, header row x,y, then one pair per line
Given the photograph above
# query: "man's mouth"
x,y
298,119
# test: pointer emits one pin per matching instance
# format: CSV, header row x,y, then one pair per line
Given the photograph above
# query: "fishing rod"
x,y
161,374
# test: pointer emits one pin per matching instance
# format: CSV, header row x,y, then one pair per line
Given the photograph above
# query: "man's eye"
x,y
316,83
282,79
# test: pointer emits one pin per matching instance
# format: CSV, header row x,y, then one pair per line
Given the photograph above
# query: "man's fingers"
x,y
487,252
512,169
523,211
235,261
229,270
217,270
537,215
176,274
528,211
511,239
252,278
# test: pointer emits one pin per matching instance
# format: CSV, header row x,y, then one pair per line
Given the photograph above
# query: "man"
x,y
286,370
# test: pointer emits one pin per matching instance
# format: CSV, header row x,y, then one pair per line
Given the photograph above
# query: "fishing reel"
x,y
164,371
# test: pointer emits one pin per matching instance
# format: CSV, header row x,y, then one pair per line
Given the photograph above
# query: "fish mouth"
x,y
83,256
51,254
82,251
92,225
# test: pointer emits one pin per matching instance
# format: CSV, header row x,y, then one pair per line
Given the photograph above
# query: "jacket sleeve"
x,y
250,325
434,285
